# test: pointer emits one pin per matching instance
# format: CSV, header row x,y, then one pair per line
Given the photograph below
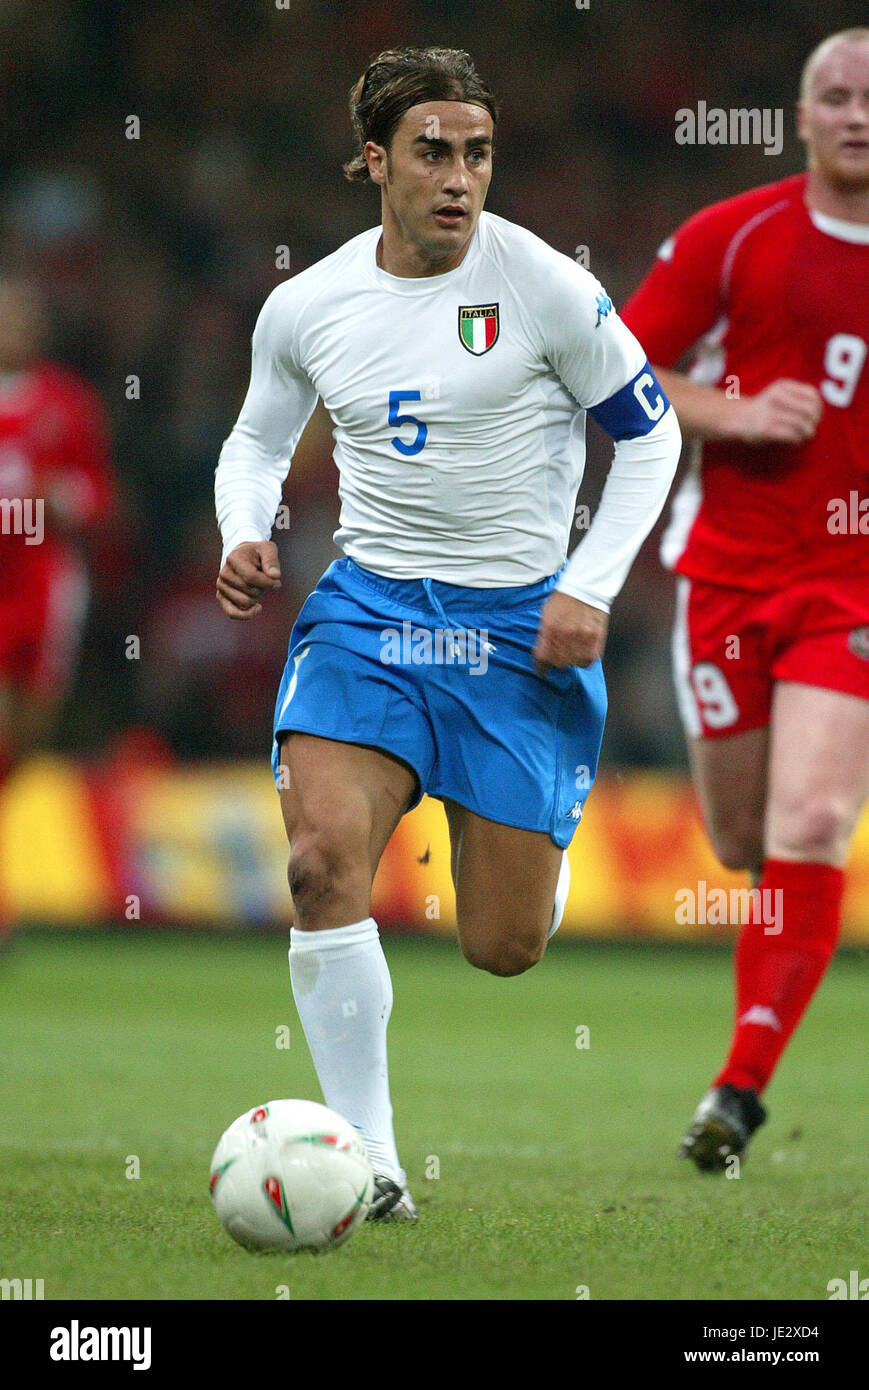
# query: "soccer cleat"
x,y
391,1202
723,1123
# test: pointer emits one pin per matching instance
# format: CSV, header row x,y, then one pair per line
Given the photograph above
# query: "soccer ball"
x,y
291,1175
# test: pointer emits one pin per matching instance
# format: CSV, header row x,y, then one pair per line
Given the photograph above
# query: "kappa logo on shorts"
x,y
858,642
479,327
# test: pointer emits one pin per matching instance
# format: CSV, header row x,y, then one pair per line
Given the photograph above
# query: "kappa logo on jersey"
x,y
479,327
858,642
603,304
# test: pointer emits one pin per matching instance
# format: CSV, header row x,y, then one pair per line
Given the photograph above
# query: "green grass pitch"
x,y
555,1162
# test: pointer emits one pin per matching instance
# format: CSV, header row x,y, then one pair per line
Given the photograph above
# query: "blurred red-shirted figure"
x,y
55,486
770,538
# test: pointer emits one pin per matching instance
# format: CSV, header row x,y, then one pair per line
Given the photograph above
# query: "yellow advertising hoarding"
x,y
205,846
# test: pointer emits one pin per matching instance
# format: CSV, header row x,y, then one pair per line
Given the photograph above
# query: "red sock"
x,y
778,972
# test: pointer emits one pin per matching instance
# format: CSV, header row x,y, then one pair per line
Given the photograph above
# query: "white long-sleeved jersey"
x,y
458,404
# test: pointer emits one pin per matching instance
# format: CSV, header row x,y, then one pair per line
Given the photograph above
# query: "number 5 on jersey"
x,y
417,444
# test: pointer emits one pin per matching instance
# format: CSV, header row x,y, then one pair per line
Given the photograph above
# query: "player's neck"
x,y
847,205
397,255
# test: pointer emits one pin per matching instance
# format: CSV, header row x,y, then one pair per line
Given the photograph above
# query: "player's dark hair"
x,y
403,77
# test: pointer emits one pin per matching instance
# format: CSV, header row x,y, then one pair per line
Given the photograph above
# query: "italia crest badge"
x,y
479,326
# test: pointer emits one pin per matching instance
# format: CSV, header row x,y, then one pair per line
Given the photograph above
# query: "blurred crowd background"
x,y
156,253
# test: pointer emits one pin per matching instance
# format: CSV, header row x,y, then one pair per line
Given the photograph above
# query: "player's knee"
x,y
324,867
503,955
814,829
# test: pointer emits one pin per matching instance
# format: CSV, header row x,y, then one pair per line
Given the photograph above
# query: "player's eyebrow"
x,y
474,142
836,90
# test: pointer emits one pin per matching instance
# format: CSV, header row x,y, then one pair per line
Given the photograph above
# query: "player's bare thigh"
x,y
505,881
819,773
340,804
730,778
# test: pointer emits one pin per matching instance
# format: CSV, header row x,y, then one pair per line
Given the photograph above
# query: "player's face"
x,y
434,181
834,119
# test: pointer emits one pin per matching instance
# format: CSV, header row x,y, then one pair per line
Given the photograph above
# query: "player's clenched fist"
x,y
248,573
571,633
785,412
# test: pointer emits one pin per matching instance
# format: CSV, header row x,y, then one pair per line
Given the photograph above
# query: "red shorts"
x,y
41,621
730,647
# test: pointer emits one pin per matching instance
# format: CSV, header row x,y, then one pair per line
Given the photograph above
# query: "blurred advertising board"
x,y
204,845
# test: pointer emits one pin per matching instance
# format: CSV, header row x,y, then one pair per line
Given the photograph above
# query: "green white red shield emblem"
x,y
479,327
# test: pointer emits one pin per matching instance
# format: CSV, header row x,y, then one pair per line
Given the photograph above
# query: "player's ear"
x,y
800,115
375,156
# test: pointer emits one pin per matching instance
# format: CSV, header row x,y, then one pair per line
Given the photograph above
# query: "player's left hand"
x,y
571,633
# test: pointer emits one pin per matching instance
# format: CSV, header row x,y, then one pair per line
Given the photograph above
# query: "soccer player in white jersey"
x,y
450,650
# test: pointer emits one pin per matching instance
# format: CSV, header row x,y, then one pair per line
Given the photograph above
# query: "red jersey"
x,y
765,288
53,452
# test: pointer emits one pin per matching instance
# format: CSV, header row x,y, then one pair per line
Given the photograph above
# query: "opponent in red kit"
x,y
55,484
769,535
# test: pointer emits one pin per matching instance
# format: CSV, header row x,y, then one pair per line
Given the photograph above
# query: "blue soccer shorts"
x,y
441,677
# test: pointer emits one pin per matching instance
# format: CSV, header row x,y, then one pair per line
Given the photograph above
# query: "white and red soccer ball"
x,y
291,1175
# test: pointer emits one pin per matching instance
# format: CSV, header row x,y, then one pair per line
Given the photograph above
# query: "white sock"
x,y
561,891
343,993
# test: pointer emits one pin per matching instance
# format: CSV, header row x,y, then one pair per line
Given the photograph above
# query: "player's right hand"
x,y
785,412
249,572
